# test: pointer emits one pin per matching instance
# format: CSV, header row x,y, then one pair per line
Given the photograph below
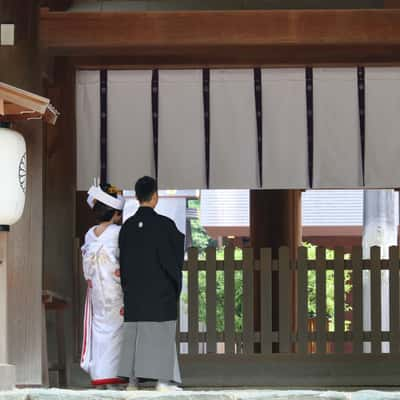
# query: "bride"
x,y
103,321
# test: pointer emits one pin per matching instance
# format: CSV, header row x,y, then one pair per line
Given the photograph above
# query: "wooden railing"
x,y
299,332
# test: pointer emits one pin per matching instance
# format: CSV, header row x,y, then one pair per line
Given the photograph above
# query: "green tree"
x,y
200,239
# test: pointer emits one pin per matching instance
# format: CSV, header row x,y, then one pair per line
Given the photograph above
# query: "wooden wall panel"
x,y
25,268
59,201
20,67
59,189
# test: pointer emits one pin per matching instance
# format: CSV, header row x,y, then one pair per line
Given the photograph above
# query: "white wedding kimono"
x,y
102,332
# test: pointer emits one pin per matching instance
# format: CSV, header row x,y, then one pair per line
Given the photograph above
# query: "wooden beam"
x,y
135,31
10,112
223,39
300,370
57,5
20,104
22,98
244,57
14,109
20,117
392,4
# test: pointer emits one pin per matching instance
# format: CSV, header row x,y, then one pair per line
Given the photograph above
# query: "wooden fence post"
x,y
266,300
211,299
229,300
193,296
248,303
321,300
357,303
339,300
285,301
376,312
302,301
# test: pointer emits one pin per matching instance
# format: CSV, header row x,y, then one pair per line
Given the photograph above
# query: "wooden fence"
x,y
327,349
296,331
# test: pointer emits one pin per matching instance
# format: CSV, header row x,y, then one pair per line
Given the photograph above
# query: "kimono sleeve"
x,y
171,253
85,267
122,263
85,249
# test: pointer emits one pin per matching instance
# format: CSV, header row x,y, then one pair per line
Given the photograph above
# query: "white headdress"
x,y
96,193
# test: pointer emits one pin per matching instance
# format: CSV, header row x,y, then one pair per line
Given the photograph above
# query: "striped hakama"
x,y
149,351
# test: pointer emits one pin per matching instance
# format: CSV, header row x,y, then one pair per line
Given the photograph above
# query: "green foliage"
x,y
220,298
200,238
330,284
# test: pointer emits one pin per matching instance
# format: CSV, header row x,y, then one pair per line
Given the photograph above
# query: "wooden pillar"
x,y
275,221
20,67
3,299
60,247
7,371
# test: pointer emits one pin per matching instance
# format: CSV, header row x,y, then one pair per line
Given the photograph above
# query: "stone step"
x,y
61,394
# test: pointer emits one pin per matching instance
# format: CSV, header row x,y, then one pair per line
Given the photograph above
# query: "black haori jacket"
x,y
151,259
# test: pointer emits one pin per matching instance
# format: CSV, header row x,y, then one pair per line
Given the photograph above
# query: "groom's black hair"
x,y
145,188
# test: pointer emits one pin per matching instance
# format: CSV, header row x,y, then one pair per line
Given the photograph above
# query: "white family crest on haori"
x,y
104,301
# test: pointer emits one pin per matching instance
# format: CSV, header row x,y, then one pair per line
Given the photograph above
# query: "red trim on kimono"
x,y
109,381
85,333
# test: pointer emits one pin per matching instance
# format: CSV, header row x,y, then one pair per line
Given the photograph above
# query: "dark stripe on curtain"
x,y
206,106
310,123
259,117
154,105
361,111
103,126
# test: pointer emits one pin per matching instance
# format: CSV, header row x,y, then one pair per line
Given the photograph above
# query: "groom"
x,y
151,259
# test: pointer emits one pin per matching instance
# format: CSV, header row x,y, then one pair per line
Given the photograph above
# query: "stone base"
x,y
7,377
57,394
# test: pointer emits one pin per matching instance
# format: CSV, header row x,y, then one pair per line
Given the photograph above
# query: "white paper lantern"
x,y
12,176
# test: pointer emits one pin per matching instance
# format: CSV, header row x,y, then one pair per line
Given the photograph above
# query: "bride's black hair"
x,y
103,212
